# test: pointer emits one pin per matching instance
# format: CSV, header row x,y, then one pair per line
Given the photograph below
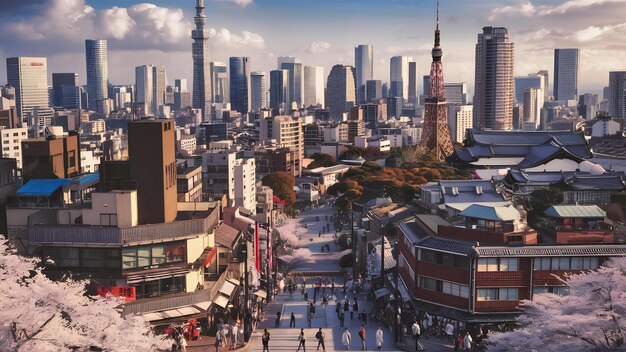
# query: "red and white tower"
x,y
436,135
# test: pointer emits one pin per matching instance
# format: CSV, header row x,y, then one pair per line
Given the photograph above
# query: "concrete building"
x,y
273,158
65,90
56,155
122,97
566,70
533,102
96,58
588,106
8,112
228,172
219,83
373,90
11,141
493,88
460,118
336,133
364,69
617,94
413,96
455,93
240,84
29,77
286,131
524,82
399,77
296,82
259,90
202,92
188,183
314,86
159,84
279,89
340,91
144,90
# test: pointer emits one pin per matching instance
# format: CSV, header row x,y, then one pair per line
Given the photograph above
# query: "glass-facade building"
x,y
97,74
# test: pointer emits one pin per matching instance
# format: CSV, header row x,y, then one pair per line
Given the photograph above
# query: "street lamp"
x,y
268,273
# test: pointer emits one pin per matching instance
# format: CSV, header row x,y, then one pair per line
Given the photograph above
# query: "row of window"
x,y
498,264
566,263
557,290
497,294
446,287
447,259
84,257
139,257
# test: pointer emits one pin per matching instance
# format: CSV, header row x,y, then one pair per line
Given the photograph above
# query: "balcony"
x,y
83,235
489,237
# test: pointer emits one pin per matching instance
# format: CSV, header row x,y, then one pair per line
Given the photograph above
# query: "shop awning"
x,y
203,305
221,300
404,292
228,288
172,313
156,276
261,293
381,292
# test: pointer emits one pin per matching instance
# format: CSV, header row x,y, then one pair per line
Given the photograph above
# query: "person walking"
x,y
218,340
346,338
292,321
467,342
362,336
415,329
309,318
301,340
320,339
355,308
450,331
225,332
234,336
458,342
265,339
379,338
183,344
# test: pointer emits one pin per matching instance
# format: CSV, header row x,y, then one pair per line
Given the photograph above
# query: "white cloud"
x,y
603,34
247,39
525,9
575,4
115,22
242,3
319,46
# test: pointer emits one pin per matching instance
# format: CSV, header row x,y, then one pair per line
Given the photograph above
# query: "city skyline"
x,y
152,34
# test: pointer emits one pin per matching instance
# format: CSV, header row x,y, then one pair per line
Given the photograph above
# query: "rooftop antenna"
x,y
437,14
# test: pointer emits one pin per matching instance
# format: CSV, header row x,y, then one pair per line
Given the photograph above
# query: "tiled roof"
x,y
447,245
226,235
491,213
575,211
547,251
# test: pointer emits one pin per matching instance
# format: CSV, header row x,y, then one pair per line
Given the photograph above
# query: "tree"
x,y
591,318
39,314
321,160
282,184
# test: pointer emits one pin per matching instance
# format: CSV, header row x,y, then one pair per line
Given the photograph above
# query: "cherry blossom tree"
x,y
591,318
38,314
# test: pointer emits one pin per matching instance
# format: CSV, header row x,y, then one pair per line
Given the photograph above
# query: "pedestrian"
x,y
346,306
364,317
183,344
324,302
266,340
379,338
225,332
234,336
306,296
450,331
346,338
308,319
301,340
362,336
341,317
355,308
277,319
417,332
467,342
292,321
320,339
332,287
458,342
218,340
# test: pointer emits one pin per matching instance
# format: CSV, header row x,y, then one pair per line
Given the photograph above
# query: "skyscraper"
x,y
413,83
144,90
296,82
314,86
546,83
201,69
525,82
364,67
373,90
258,88
65,90
340,91
436,134
279,88
455,93
533,102
219,83
493,88
617,94
240,84
159,83
29,77
97,75
566,74
399,77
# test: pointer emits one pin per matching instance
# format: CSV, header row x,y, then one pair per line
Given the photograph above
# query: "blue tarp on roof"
x,y
41,187
93,177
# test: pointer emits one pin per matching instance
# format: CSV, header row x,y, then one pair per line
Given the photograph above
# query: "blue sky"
x,y
318,32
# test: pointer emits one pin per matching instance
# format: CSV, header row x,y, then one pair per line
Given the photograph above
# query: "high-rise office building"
x,y
373,90
219,82
96,58
240,84
493,88
566,74
29,77
159,84
258,87
340,91
314,86
399,77
459,120
364,67
65,90
144,94
546,83
533,103
279,89
455,93
201,70
180,85
296,82
525,82
617,94
413,96
588,106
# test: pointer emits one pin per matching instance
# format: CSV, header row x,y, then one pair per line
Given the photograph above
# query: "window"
x,y
441,258
140,257
100,258
566,263
498,294
541,264
557,290
71,158
108,219
428,283
498,264
455,289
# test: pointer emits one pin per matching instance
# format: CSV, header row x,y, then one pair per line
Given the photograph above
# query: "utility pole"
x,y
382,256
353,242
268,275
246,313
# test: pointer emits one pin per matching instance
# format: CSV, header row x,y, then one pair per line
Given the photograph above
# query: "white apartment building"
x,y
224,172
89,161
11,141
459,120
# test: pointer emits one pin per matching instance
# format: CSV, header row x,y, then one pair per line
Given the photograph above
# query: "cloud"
x,y
525,9
575,4
320,46
246,40
116,22
241,3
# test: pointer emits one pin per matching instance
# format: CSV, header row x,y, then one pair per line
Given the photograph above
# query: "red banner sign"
x,y
128,292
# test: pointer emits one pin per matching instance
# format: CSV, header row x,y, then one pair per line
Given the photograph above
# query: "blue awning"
x,y
41,187
85,179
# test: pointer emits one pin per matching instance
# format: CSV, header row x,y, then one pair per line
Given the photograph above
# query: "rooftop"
x,y
575,211
41,187
491,213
